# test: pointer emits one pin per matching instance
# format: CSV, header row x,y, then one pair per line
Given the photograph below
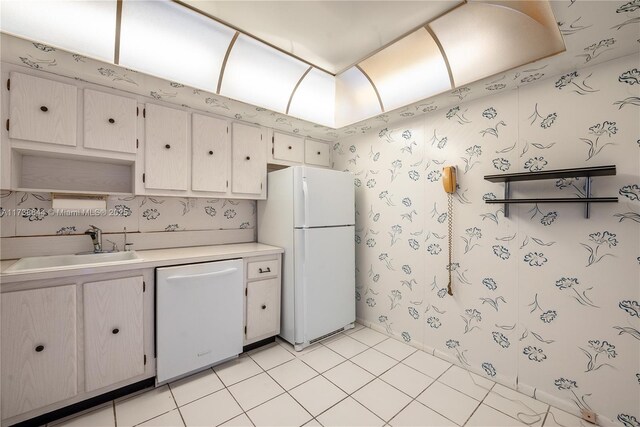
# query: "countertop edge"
x,y
150,259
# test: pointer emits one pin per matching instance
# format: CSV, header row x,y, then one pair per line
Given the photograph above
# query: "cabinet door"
x,y
39,365
109,122
249,160
317,153
288,147
210,155
42,110
263,309
166,150
113,338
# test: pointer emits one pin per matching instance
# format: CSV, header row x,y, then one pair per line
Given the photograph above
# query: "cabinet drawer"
x,y
42,110
113,331
262,269
263,309
288,147
109,122
317,153
39,365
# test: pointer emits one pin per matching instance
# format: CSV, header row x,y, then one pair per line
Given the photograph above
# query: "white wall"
x,y
545,299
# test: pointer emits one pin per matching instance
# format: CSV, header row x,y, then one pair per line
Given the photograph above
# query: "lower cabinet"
x,y
39,352
67,341
262,304
113,331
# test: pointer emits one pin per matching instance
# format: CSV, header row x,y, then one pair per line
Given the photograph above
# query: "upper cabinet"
x,y
116,143
109,122
209,154
286,147
249,160
291,150
166,148
317,153
42,110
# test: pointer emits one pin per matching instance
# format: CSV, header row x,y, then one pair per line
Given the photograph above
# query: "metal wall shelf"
x,y
587,173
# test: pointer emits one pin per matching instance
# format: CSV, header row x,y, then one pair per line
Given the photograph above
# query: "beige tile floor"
x,y
358,378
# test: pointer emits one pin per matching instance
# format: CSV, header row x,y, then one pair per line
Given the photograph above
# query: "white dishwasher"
x,y
199,316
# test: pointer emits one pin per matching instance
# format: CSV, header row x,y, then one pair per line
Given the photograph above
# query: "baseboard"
x,y
86,404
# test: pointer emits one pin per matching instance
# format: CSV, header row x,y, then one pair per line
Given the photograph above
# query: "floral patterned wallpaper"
x,y
30,214
545,300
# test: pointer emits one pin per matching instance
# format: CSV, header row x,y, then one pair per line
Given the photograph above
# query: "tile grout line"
x,y
545,416
176,402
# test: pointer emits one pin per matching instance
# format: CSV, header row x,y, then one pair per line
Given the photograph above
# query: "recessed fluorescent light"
x,y
170,41
83,27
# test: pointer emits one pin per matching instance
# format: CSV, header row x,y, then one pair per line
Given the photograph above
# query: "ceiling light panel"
x,y
261,75
482,39
409,70
356,98
315,98
170,41
87,28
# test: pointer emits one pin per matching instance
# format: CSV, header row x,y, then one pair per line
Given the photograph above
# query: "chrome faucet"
x,y
96,237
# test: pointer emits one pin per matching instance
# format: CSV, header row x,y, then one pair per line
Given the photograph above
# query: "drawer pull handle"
x,y
167,146
248,158
289,147
318,153
210,153
115,331
264,307
112,121
44,109
266,270
39,348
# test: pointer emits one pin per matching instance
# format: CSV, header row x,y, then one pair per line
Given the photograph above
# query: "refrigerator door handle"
x,y
305,195
300,329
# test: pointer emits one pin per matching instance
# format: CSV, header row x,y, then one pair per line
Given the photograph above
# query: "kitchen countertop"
x,y
150,259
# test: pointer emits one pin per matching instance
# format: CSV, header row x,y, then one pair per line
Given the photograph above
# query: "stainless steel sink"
x,y
57,262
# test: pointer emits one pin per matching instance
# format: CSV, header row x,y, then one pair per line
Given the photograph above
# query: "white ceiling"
x,y
332,35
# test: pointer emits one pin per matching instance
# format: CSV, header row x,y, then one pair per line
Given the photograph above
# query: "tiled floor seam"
x,y
412,398
176,402
415,399
482,403
517,419
546,415
502,412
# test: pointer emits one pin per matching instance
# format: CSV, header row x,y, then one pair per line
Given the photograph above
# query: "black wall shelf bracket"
x,y
587,173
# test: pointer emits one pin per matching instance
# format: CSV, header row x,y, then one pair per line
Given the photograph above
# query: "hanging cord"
x,y
450,229
534,416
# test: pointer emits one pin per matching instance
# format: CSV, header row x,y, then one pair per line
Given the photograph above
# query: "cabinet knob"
x,y
289,147
264,306
167,146
112,121
115,331
43,108
39,348
210,153
248,158
318,153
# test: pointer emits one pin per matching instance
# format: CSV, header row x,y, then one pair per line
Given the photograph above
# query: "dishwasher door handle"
x,y
204,275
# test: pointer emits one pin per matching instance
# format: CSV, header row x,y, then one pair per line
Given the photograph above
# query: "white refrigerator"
x,y
310,212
